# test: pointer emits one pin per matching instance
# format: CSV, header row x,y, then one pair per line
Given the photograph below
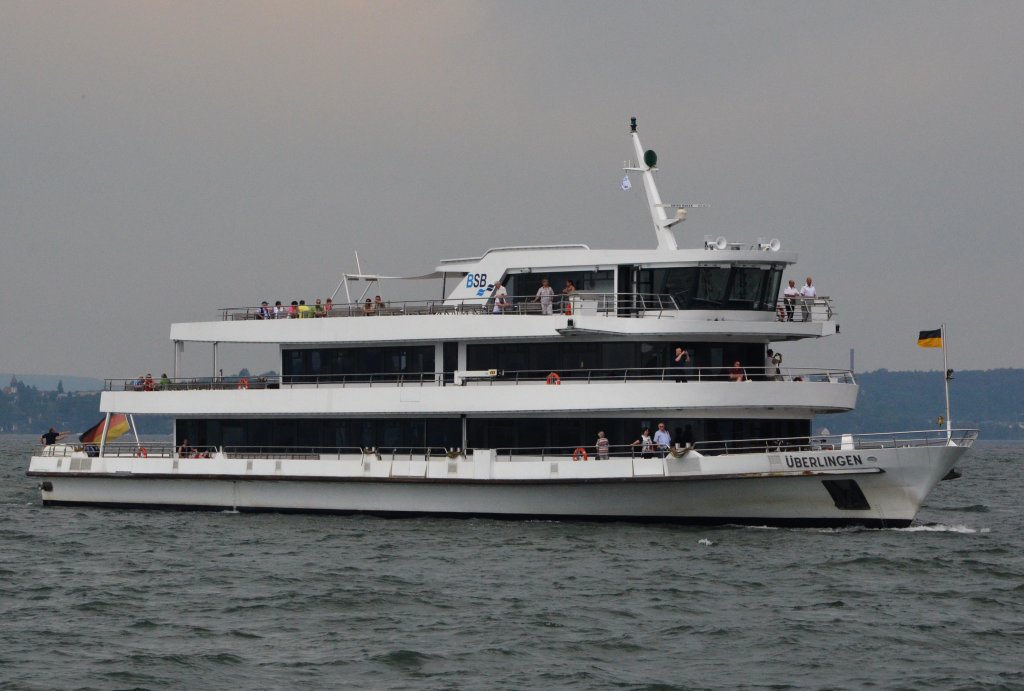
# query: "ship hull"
x,y
881,488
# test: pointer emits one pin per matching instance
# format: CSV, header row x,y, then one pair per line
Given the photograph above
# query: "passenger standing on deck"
x,y
681,363
662,439
500,296
568,292
772,362
328,306
602,444
645,443
368,308
808,293
737,373
279,311
265,311
52,437
789,297
545,296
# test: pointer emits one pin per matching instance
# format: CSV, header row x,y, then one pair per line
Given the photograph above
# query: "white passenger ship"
x,y
470,405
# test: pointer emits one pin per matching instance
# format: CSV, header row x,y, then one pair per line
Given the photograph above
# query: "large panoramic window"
x,y
350,364
397,435
581,357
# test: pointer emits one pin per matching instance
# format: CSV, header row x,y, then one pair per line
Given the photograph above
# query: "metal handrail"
x,y
502,377
801,309
588,451
832,442
609,304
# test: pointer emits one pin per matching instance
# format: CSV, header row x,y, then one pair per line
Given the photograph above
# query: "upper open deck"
x,y
625,305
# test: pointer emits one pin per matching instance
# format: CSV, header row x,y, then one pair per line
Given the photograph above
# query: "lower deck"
x,y
866,480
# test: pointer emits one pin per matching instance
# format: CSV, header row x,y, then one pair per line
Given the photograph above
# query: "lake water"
x,y
99,598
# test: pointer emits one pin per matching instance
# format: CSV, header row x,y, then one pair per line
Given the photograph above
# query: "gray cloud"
x,y
162,160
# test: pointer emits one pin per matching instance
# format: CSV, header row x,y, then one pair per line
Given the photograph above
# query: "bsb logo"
x,y
479,281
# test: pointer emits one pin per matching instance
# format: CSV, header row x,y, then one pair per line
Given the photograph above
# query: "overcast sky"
x,y
161,160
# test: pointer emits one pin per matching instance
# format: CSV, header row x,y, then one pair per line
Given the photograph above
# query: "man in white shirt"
x,y
790,295
500,296
808,293
662,439
545,296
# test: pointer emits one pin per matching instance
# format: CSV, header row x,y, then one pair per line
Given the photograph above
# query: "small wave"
x,y
404,659
704,541
941,528
973,508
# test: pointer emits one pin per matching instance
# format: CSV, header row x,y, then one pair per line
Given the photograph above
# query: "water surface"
x,y
100,598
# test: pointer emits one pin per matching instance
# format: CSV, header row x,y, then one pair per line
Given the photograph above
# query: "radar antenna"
x,y
662,223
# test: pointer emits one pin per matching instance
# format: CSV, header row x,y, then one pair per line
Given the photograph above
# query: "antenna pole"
x,y
662,223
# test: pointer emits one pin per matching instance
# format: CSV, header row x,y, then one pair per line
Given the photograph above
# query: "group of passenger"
x,y
188,451
377,306
297,310
659,444
805,296
682,363
145,382
545,296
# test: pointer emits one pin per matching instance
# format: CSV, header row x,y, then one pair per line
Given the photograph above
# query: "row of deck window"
x,y
346,434
395,362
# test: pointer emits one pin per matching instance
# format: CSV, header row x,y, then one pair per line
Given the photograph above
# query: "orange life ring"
x,y
568,308
580,452
142,453
244,383
553,378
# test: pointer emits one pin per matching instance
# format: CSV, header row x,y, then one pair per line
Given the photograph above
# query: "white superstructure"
x,y
488,401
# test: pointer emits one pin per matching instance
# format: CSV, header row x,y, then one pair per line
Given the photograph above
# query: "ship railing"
x,y
827,443
193,383
142,449
667,374
589,451
496,377
384,453
800,309
580,302
840,442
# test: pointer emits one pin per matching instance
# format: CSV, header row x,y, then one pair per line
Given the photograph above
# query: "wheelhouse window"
x,y
715,286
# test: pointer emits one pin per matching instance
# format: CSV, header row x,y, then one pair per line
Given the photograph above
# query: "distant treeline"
x,y
989,400
24,409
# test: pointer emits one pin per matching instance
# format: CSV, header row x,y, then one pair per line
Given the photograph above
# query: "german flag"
x,y
118,426
930,339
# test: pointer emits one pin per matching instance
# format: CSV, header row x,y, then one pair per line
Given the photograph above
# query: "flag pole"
x,y
103,433
945,377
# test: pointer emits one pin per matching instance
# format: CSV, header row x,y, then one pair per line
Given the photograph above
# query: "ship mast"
x,y
647,162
